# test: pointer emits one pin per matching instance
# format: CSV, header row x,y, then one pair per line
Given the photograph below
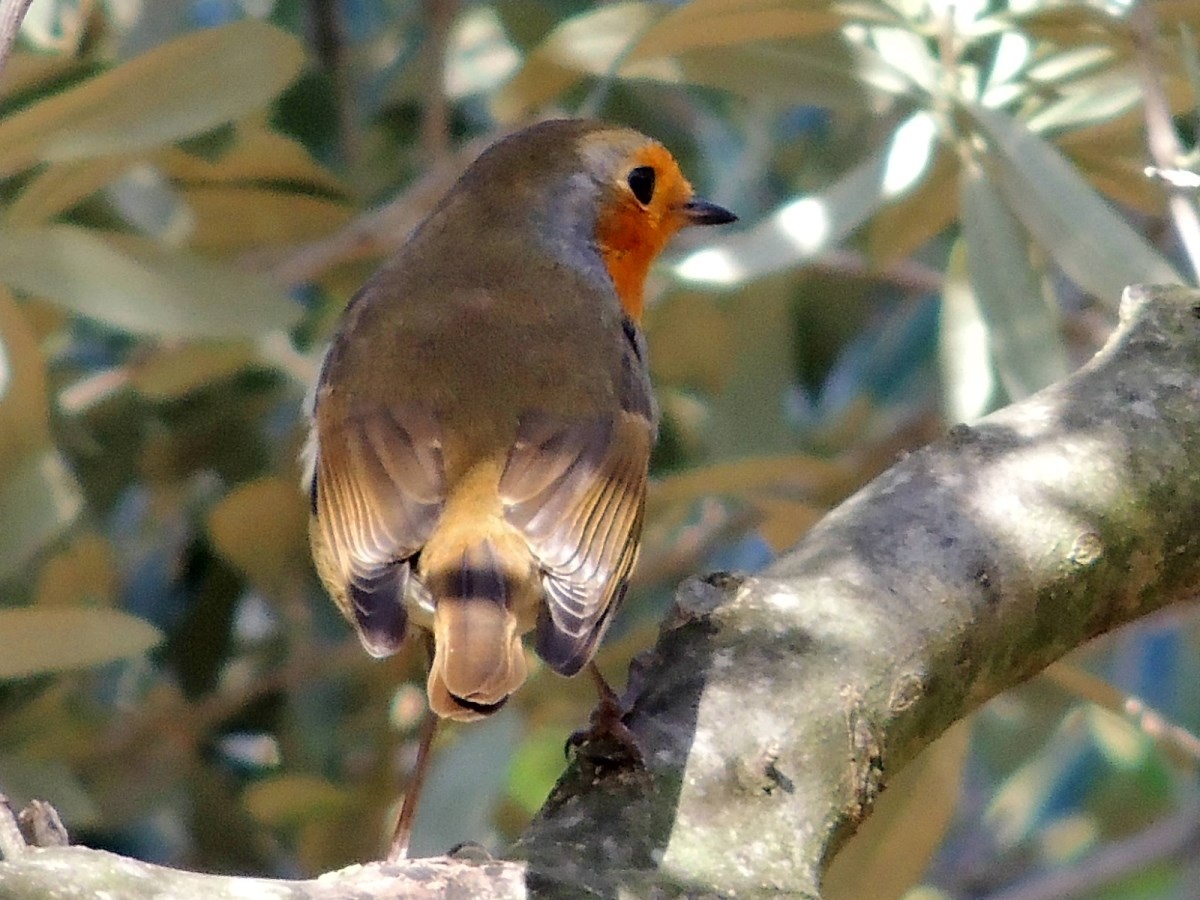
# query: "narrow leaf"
x,y
38,641
1023,330
143,290
1090,240
809,226
968,377
182,88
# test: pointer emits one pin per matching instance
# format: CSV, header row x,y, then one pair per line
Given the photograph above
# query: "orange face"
x,y
648,205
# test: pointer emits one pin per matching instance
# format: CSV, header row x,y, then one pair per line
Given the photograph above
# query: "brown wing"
x,y
577,492
379,487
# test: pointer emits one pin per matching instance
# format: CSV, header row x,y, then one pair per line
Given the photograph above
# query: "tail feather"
x,y
478,658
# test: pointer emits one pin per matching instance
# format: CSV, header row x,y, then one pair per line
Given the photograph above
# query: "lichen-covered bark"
x,y
773,708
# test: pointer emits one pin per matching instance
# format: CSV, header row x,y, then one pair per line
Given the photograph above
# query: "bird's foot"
x,y
607,740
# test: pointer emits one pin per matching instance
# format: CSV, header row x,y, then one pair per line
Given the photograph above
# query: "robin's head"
x,y
603,186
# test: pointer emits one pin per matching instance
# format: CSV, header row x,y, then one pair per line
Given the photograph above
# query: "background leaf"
x,y
180,89
141,288
39,641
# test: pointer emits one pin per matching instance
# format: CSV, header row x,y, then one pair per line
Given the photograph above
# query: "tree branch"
x,y
773,708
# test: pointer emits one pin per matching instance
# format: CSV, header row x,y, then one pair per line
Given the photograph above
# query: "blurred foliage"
x,y
941,203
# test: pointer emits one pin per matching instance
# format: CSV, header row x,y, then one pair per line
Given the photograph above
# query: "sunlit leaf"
x,y
262,528
1058,68
39,641
907,52
710,23
1101,98
28,72
826,73
179,89
142,289
1023,330
968,376
59,186
902,227
806,227
231,219
1092,243
256,155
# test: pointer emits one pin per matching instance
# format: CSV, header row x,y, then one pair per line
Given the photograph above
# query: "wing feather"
x,y
380,486
577,498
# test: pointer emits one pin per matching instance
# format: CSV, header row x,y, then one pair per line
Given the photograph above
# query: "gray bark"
x,y
773,708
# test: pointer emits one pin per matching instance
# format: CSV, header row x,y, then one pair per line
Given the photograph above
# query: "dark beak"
x,y
701,212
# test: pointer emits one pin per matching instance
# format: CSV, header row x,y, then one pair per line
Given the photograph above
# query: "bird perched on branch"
x,y
483,420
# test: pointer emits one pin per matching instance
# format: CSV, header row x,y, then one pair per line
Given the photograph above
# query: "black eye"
x,y
641,182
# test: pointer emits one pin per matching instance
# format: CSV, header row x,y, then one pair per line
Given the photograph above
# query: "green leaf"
x,y
1091,101
142,289
39,497
1090,240
181,89
39,641
1023,329
968,376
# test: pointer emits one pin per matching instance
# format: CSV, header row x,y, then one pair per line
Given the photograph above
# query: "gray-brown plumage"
x,y
483,420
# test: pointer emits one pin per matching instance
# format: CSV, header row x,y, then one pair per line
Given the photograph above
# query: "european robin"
x,y
483,420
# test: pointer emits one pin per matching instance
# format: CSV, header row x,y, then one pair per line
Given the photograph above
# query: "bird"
x,y
482,424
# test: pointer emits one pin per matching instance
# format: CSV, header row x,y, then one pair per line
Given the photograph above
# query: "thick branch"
x,y
773,708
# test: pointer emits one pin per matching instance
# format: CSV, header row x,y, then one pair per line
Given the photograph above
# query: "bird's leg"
x,y
608,721
398,850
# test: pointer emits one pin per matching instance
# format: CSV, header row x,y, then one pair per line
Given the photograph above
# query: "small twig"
x,y
1163,142
1164,839
402,835
1179,743
329,46
11,14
